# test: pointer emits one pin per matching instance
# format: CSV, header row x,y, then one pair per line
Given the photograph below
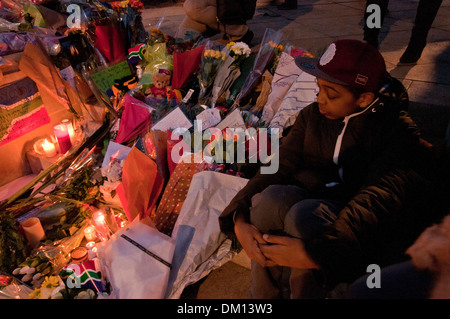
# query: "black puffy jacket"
x,y
380,169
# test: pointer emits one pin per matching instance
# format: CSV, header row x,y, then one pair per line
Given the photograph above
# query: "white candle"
x,y
33,231
89,233
49,148
69,126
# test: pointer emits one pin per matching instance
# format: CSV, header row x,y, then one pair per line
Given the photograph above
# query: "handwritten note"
x,y
209,117
173,120
233,120
104,79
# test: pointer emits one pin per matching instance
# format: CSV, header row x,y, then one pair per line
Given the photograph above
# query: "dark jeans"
x,y
399,281
426,12
287,210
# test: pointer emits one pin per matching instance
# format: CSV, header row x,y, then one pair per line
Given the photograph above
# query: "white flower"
x,y
241,48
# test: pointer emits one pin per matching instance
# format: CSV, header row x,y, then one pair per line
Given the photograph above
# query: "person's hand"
x,y
286,251
250,238
431,250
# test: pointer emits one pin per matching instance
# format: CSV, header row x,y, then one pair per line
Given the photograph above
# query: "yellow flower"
x,y
230,44
207,53
217,54
50,282
35,294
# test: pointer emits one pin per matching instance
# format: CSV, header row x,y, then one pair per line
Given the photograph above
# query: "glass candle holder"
x,y
62,134
70,129
49,148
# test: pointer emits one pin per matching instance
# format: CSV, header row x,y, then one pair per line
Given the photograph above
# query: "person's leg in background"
x,y
288,5
426,13
200,17
371,34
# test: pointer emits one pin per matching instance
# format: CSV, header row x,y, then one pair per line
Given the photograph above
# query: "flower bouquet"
x,y
129,17
212,59
266,55
230,69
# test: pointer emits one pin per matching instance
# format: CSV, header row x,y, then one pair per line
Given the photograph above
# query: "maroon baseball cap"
x,y
348,62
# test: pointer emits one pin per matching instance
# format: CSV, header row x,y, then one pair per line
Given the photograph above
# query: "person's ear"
x,y
365,99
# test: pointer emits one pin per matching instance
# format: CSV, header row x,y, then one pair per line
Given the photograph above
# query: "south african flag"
x,y
136,54
83,275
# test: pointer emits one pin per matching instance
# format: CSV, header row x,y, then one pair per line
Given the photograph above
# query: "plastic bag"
x,y
212,59
12,288
200,245
137,262
156,58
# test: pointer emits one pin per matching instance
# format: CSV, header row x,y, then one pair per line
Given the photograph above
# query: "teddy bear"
x,y
161,85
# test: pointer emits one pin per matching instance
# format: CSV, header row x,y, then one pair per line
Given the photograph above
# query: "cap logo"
x,y
328,55
361,79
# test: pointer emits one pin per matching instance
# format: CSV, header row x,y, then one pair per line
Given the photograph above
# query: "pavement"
x,y
313,26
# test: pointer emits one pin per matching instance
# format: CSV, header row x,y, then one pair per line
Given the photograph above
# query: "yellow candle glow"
x,y
49,148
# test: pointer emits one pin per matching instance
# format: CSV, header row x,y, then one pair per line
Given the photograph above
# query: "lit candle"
x,y
99,217
102,228
89,233
62,134
49,148
69,126
92,249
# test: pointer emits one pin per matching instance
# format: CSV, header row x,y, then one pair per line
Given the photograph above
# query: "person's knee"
x,y
271,205
264,206
308,218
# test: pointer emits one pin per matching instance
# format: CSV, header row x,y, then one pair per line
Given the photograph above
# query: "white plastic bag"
x,y
200,245
137,262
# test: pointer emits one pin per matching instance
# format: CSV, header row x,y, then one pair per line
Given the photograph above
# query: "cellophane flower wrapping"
x,y
229,71
213,57
270,44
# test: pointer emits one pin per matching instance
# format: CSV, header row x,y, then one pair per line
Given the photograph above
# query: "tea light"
x,y
69,126
49,148
89,233
62,134
92,249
